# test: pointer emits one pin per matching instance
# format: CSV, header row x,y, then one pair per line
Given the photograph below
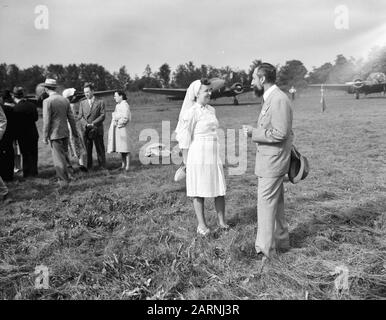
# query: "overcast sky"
x,y
216,32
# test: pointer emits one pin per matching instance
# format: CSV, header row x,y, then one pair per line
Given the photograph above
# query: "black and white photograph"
x,y
211,152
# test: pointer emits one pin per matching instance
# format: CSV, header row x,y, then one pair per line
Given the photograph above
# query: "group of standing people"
x,y
19,142
196,134
69,134
63,129
198,140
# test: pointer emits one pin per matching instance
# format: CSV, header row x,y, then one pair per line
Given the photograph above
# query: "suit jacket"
x,y
273,136
10,132
56,112
94,115
3,123
25,116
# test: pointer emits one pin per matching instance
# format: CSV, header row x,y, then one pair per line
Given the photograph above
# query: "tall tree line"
x,y
292,73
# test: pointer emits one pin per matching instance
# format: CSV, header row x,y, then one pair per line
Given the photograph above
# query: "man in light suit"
x,y
91,116
56,112
273,137
3,126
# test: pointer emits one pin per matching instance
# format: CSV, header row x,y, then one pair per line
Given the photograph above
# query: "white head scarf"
x,y
190,96
68,92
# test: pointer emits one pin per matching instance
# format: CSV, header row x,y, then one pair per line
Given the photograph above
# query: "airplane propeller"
x,y
237,88
357,83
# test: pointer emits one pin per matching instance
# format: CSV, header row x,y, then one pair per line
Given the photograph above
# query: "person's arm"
x,y
122,121
81,119
184,155
280,125
80,111
184,134
128,112
46,120
101,117
71,121
3,123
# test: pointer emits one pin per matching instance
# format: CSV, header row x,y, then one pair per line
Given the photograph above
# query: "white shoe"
x,y
203,232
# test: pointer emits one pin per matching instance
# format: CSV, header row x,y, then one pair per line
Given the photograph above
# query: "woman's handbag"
x,y
180,173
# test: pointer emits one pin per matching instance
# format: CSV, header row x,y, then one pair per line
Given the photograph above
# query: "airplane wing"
x,y
377,87
80,95
167,91
333,86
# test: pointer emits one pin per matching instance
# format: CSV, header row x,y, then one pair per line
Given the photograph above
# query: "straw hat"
x,y
50,83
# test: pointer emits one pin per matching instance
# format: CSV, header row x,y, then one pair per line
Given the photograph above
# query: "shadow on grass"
x,y
317,197
375,97
246,216
353,225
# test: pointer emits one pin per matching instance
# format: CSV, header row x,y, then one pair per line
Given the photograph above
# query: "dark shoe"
x,y
83,169
261,257
283,246
283,249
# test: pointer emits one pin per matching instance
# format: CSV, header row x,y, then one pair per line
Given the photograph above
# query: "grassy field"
x,y
132,236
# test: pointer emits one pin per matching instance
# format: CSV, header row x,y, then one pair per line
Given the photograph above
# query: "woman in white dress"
x,y
198,140
119,140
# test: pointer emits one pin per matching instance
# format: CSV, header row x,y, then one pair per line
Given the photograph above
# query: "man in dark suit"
x,y
25,116
7,154
273,137
91,116
3,126
56,112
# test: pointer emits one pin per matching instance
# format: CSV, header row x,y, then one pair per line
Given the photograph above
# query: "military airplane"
x,y
219,89
376,82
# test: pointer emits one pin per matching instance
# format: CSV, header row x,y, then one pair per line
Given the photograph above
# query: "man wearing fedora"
x,y
273,137
91,116
25,116
56,112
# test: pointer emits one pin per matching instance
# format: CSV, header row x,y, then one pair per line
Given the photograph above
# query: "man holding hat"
x,y
25,116
56,113
273,137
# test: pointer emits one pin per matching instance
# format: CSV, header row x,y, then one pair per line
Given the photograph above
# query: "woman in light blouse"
x,y
198,140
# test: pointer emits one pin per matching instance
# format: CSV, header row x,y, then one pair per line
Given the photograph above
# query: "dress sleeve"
x,y
185,133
